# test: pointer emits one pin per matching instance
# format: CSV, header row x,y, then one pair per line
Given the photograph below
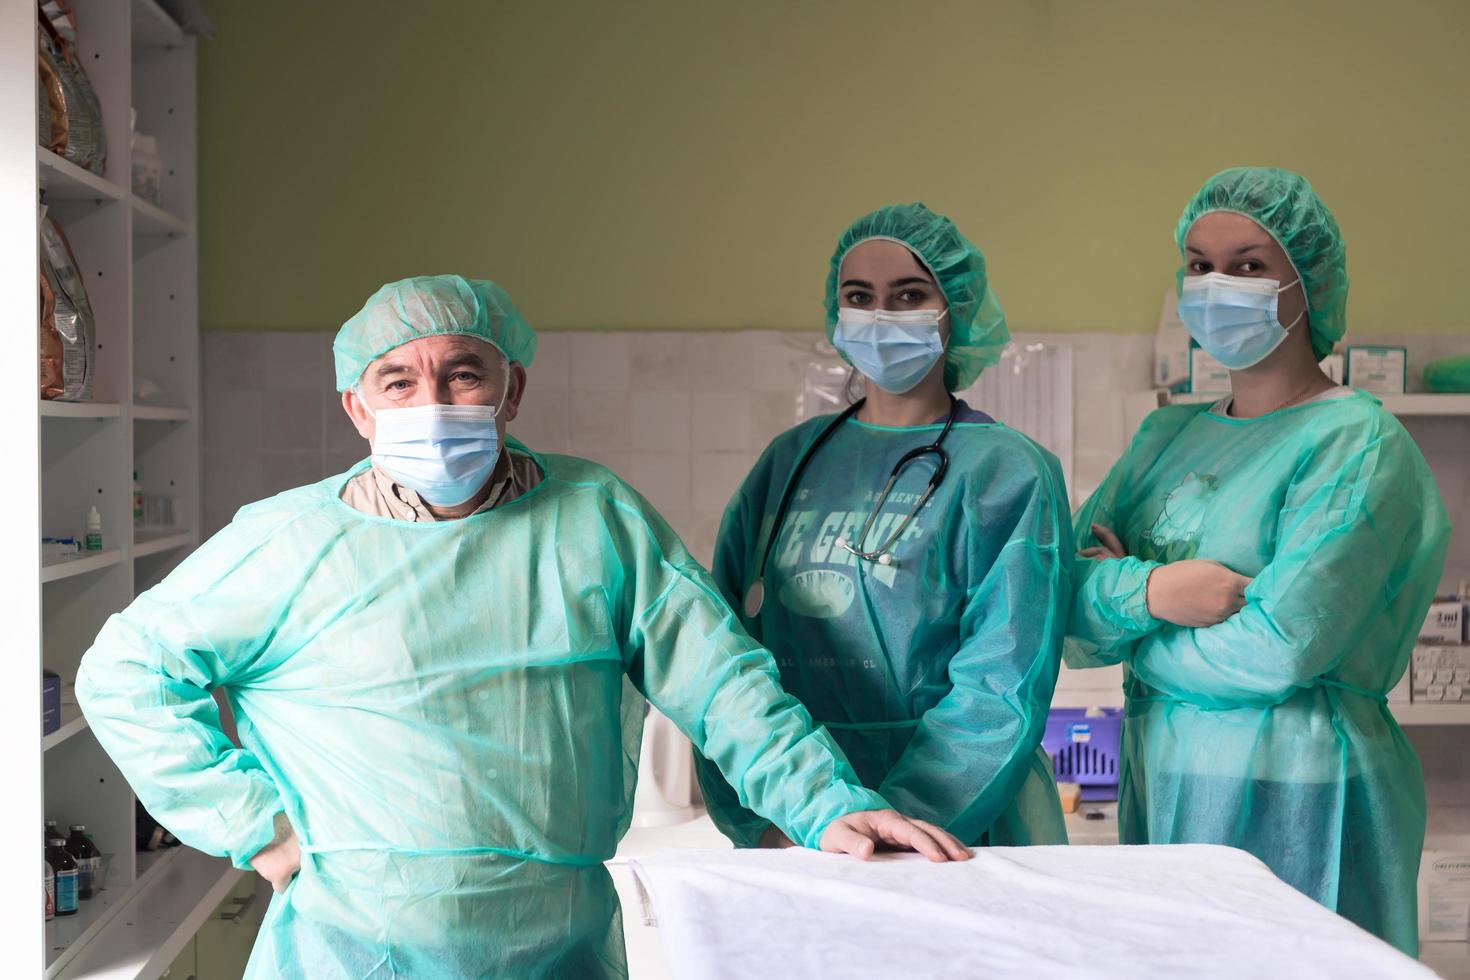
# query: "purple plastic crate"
x,y
1086,749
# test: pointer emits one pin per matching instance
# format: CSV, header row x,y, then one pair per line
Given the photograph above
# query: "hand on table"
x,y
860,833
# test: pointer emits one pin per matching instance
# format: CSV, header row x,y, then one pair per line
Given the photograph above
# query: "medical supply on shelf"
x,y
1441,673
94,530
64,867
1207,375
68,327
89,862
1086,742
147,169
59,549
1171,347
74,115
1380,370
1444,625
158,510
50,701
1448,374
1444,895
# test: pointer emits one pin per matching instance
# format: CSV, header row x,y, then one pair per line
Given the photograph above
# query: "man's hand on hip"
x,y
279,860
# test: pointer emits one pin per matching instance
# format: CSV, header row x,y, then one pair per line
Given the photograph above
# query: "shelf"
x,y
65,937
54,571
158,540
1429,713
63,180
145,927
1422,404
72,722
160,413
153,28
1448,959
150,219
1415,405
80,410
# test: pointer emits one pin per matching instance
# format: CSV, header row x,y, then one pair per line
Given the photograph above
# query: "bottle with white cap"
x,y
94,530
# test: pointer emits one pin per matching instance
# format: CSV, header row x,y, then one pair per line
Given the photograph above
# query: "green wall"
x,y
690,164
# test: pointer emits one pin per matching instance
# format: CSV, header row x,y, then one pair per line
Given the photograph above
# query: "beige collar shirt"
x,y
373,492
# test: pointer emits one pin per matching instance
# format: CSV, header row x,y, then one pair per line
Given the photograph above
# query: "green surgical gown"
x,y
443,712
1270,731
933,673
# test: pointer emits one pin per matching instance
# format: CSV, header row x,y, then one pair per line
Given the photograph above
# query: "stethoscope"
x,y
755,596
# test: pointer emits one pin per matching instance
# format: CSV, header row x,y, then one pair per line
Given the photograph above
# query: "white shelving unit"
x,y
139,261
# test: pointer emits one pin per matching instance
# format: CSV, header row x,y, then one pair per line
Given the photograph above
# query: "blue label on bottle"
x,y
66,891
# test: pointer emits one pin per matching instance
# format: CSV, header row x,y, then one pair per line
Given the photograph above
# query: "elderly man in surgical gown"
x,y
433,661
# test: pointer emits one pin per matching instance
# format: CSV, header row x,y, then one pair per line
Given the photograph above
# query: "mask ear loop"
x,y
504,386
1295,282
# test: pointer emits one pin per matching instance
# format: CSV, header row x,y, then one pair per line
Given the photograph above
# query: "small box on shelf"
x,y
1380,370
50,701
1444,624
1444,894
1207,376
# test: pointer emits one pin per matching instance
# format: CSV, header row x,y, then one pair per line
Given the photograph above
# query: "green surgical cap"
x,y
430,306
1289,209
977,326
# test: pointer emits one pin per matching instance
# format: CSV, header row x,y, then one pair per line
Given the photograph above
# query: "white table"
x,y
1126,912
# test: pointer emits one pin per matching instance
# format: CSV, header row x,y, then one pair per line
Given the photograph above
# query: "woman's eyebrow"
x,y
910,280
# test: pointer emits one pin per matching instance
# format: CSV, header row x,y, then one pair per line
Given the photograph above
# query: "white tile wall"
x,y
628,400
680,415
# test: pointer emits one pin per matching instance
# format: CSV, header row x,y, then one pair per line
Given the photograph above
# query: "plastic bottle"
x,y
64,866
88,858
137,501
94,530
50,891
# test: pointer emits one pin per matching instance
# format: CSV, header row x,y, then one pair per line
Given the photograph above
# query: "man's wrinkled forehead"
x,y
438,354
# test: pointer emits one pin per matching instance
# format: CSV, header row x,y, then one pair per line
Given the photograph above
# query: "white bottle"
x,y
94,530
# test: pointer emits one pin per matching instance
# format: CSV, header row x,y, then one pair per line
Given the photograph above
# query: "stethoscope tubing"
x,y
755,595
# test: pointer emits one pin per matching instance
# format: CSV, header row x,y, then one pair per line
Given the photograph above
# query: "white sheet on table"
x,y
1134,912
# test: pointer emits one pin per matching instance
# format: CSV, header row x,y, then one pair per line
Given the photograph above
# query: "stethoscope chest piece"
x,y
755,597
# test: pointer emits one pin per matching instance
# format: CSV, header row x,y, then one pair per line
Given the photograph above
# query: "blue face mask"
x,y
892,349
1234,317
444,453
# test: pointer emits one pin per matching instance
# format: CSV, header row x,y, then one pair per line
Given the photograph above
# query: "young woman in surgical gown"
x,y
931,658
1261,567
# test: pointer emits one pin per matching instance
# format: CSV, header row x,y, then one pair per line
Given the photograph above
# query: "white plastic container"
x,y
1444,896
1380,370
